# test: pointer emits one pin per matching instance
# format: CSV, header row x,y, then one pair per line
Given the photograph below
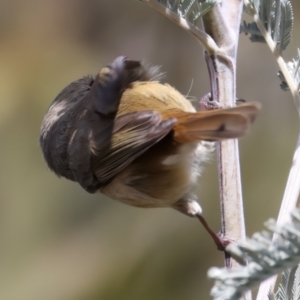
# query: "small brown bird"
x,y
134,139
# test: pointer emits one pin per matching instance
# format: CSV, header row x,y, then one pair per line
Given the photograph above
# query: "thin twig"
x,y
207,42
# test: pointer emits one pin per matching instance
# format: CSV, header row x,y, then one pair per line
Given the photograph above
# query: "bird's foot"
x,y
208,103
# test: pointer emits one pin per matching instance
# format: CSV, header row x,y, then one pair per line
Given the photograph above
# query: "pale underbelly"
x,y
162,188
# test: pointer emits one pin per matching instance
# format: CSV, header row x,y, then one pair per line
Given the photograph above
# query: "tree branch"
x,y
224,29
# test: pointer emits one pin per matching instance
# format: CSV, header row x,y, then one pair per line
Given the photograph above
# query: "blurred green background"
x,y
60,243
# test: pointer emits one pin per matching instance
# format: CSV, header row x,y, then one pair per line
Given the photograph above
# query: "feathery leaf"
x,y
286,25
294,70
289,287
252,29
296,287
264,260
191,10
278,19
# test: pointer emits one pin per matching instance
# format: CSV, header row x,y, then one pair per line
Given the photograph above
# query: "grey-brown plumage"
x,y
77,129
138,141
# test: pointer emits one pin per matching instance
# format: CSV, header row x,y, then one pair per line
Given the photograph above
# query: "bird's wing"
x,y
132,135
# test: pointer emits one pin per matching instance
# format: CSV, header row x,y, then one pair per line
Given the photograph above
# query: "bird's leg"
x,y
220,241
189,206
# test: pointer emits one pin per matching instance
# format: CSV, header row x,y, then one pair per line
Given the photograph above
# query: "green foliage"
x,y
252,29
289,289
294,70
286,25
284,86
278,19
264,259
191,10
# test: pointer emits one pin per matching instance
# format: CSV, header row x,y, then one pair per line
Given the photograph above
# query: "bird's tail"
x,y
214,125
